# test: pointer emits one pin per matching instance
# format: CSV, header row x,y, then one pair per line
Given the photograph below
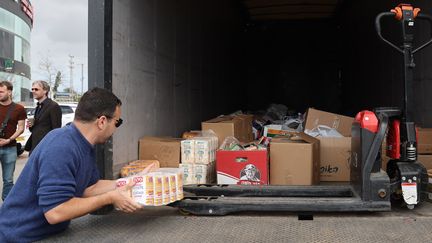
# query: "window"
x,y
66,109
12,23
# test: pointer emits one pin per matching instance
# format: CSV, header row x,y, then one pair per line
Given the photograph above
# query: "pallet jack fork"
x,y
371,189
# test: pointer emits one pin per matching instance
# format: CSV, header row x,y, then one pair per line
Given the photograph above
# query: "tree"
x,y
46,66
58,81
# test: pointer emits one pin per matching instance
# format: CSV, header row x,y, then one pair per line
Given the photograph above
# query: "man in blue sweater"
x,y
60,180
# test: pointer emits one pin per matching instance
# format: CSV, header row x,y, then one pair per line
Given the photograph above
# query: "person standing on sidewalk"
x,y
60,180
12,117
47,117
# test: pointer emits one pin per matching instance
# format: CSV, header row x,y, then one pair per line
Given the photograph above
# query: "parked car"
x,y
68,114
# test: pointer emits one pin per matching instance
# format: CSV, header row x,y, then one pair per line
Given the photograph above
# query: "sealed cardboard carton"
x,y
164,149
294,160
335,152
424,142
425,160
239,126
242,167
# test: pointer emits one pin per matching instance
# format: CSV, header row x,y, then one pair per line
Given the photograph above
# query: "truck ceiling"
x,y
283,10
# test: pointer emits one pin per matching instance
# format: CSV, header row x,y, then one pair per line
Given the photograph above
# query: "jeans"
x,y
8,156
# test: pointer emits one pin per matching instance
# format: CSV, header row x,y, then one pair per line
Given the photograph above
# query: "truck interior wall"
x,y
293,63
172,67
372,71
338,65
177,64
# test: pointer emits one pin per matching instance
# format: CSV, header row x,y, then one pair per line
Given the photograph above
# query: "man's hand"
x,y
4,141
122,199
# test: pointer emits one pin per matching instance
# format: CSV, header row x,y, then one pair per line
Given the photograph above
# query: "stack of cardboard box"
x,y
335,152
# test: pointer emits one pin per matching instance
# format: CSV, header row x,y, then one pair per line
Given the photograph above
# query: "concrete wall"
x,y
172,67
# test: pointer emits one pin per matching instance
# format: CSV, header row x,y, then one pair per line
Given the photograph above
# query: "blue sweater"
x,y
61,167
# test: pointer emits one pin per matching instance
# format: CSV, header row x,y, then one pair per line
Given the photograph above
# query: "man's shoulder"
x,y
52,102
20,108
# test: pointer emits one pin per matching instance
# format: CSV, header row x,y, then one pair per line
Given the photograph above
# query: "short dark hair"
x,y
95,103
8,85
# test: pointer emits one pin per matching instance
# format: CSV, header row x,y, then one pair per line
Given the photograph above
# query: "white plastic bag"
x,y
323,131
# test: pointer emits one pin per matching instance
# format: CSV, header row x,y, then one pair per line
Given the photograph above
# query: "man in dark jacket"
x,y
47,115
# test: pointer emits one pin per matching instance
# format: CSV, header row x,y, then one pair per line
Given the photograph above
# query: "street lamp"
x,y
82,77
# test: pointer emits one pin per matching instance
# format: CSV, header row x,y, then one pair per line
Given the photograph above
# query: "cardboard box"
x,y
425,160
335,159
239,126
164,149
335,152
424,141
242,167
341,123
294,160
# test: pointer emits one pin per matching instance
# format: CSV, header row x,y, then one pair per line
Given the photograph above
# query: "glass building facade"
x,y
15,33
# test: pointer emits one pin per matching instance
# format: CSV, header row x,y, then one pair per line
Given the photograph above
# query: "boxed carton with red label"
x,y
335,152
238,126
294,160
242,167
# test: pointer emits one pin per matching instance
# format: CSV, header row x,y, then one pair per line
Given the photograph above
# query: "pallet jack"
x,y
371,189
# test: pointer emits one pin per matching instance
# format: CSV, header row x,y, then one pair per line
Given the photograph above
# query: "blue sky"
x,y
60,30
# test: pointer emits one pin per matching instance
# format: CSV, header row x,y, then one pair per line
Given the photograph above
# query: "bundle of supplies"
x,y
198,155
156,188
137,166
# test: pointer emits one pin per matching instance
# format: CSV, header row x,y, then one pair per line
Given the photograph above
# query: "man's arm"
x,y
19,130
76,207
56,116
100,187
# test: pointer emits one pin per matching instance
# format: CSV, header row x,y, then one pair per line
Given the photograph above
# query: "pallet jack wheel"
x,y
395,179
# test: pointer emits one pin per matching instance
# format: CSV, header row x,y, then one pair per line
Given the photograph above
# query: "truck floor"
x,y
167,224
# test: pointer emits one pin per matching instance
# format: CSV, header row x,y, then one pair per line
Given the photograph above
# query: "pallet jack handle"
x,y
406,14
400,14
